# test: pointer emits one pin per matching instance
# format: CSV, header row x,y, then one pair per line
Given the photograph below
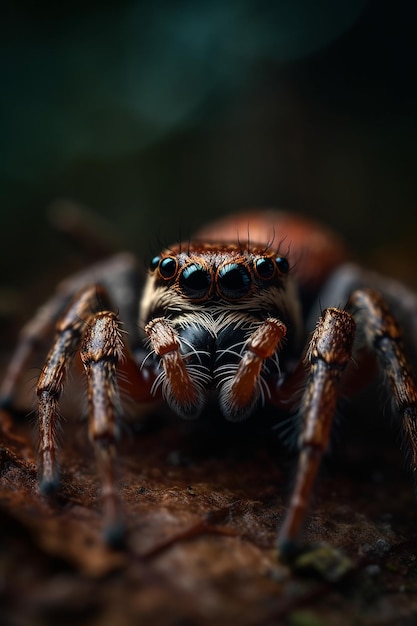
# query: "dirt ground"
x,y
203,505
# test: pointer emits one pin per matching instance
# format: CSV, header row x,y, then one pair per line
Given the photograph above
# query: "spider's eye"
x,y
168,267
234,280
195,281
282,264
154,263
264,268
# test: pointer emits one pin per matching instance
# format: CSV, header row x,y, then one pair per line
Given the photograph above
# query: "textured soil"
x,y
202,506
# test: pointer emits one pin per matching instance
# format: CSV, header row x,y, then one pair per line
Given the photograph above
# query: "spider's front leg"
x,y
328,354
69,332
98,337
101,352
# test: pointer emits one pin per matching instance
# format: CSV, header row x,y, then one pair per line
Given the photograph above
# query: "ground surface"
x,y
202,509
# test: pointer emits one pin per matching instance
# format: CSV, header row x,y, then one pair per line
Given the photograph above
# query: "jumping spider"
x,y
255,308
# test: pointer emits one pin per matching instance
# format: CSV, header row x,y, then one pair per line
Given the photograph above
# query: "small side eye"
x,y
282,264
264,268
154,263
168,267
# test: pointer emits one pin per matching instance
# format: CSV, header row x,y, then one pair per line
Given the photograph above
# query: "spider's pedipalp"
x,y
239,393
181,391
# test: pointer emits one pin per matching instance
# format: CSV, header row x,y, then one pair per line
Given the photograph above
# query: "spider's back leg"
x,y
382,336
118,275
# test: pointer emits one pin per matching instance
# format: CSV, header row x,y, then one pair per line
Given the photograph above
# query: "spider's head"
x,y
221,278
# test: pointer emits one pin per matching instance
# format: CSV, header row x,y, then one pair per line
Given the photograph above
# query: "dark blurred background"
x,y
161,115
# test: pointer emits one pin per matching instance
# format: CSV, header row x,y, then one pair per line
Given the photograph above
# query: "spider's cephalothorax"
x,y
244,323
224,312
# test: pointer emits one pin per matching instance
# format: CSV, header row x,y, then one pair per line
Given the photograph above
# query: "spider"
x,y
259,308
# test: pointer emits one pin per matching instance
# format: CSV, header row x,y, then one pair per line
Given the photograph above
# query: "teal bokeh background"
x,y
161,115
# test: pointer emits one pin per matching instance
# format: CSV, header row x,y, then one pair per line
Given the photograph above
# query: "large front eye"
x,y
234,280
264,268
168,267
195,281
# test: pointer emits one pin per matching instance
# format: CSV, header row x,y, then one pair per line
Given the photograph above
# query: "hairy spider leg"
x,y
98,338
328,353
116,274
69,333
101,351
383,337
31,335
